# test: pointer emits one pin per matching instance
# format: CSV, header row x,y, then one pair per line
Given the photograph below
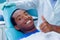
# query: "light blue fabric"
x,y
2,1
33,12
7,13
11,32
1,18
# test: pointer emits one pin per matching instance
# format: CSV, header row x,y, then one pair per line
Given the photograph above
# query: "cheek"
x,y
21,23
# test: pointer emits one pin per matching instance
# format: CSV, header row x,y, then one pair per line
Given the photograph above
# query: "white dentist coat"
x,y
51,14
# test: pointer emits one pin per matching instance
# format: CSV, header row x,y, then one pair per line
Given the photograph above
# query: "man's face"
x,y
23,20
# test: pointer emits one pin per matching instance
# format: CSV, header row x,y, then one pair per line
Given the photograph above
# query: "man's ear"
x,y
16,27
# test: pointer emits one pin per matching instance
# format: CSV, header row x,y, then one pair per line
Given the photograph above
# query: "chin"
x,y
30,26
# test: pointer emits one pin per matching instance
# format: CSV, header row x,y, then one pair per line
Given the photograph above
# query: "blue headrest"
x,y
8,10
2,1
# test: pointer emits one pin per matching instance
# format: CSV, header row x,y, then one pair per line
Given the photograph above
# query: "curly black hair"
x,y
12,19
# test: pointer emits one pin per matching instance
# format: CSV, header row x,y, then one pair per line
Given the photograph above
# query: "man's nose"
x,y
27,17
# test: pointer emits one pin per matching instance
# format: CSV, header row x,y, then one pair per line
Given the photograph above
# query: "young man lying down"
x,y
23,22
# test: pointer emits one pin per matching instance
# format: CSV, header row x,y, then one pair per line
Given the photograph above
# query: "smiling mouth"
x,y
28,21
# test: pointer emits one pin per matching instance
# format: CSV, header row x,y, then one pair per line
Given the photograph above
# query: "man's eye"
x,y
30,19
26,14
19,18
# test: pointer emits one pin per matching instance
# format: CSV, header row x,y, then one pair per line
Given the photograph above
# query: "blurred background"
x,y
2,22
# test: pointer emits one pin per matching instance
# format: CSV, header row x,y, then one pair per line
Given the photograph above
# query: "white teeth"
x,y
28,22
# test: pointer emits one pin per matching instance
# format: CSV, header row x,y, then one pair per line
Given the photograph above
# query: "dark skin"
x,y
24,21
46,27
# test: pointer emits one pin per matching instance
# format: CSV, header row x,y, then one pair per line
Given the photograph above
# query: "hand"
x,y
45,26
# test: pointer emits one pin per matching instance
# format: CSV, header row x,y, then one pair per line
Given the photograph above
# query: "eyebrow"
x,y
24,11
18,16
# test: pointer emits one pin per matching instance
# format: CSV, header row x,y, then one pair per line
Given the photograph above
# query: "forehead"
x,y
18,12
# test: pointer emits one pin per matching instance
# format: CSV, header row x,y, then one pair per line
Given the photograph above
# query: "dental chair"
x,y
11,32
2,1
